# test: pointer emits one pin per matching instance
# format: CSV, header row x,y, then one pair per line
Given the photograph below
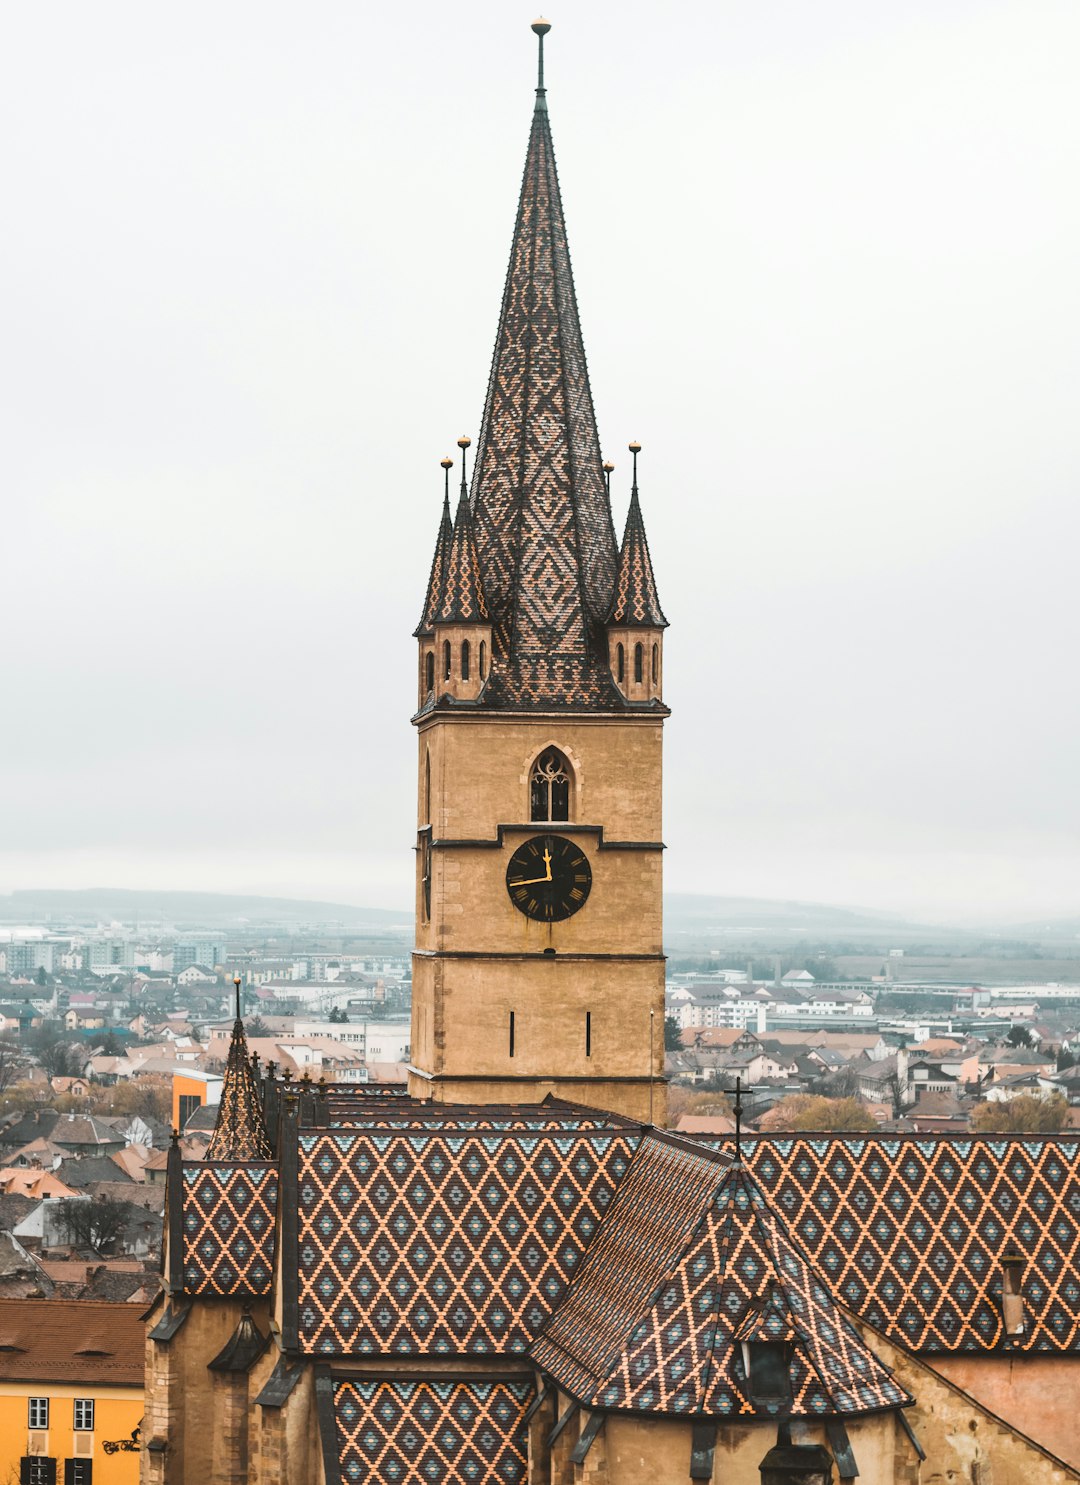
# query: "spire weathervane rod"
x,y
738,1119
446,464
236,986
635,449
608,471
463,443
541,28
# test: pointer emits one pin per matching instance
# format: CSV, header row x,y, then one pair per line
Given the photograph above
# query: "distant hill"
x,y
188,909
684,910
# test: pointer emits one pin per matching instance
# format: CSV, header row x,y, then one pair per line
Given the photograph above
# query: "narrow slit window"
x,y
549,787
639,662
512,1030
620,664
446,659
588,1033
483,660
427,788
429,668
464,659
656,665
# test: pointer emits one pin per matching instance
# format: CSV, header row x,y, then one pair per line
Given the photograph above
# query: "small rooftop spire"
x,y
437,575
541,27
462,598
738,1119
240,1131
635,601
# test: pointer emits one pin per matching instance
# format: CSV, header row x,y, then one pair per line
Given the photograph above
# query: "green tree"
x,y
1018,1036
1025,1114
257,1027
672,1034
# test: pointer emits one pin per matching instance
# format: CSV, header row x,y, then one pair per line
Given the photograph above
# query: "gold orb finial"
x,y
446,462
635,447
464,441
608,466
540,26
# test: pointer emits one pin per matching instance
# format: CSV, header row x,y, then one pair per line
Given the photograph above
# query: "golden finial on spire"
x,y
541,28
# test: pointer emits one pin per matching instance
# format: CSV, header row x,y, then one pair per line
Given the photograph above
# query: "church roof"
x,y
240,1130
543,522
461,600
690,1262
444,1241
227,1227
910,1231
636,602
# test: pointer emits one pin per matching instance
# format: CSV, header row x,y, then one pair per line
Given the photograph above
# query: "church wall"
x,y
963,1439
1039,1394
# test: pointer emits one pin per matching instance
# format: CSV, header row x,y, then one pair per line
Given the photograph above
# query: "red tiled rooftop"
x,y
71,1340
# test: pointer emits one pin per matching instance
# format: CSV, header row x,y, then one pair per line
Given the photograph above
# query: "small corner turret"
x,y
636,622
455,630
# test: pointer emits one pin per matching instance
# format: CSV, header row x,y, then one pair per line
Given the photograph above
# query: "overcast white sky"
x,y
826,257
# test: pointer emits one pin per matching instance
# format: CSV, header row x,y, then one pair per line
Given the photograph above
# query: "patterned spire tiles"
x,y
636,602
445,1242
654,1319
438,571
462,598
543,523
240,1131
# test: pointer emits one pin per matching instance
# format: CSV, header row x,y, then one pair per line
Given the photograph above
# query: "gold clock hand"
x,y
531,881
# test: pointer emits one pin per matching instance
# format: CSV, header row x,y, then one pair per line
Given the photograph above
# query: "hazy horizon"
x,y
825,261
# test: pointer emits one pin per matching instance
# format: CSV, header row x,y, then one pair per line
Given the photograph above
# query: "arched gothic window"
x,y
620,663
639,663
429,668
464,659
549,787
483,660
446,659
656,665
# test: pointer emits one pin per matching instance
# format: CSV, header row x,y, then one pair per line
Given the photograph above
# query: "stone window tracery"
x,y
549,787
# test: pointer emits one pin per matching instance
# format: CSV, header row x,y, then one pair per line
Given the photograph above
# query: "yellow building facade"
x,y
71,1392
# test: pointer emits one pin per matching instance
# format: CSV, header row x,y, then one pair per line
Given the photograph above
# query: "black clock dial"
x,y
549,878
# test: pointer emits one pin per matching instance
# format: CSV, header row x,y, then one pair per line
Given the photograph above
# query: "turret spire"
x,y
636,602
438,561
462,597
240,1131
541,27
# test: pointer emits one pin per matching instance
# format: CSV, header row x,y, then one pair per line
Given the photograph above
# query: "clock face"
x,y
548,878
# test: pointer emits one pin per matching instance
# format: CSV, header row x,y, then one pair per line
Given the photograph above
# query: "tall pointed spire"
x,y
636,602
462,598
543,522
438,561
240,1131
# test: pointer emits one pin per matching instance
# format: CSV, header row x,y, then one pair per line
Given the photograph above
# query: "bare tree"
x,y
57,1056
95,1223
10,1064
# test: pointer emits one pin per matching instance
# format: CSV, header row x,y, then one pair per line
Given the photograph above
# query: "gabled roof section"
x,y
543,522
240,1131
910,1231
462,598
445,1242
689,1263
438,569
636,603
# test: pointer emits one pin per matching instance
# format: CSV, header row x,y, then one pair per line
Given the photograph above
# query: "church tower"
x,y
539,963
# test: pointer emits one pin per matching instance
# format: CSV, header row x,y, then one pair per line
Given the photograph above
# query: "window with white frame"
x,y
84,1414
39,1412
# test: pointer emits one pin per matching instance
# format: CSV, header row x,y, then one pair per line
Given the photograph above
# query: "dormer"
x,y
636,622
